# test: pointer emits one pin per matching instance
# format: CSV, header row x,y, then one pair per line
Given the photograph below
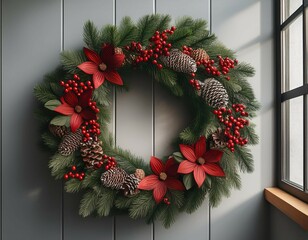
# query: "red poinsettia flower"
x,y
164,177
200,161
103,66
77,107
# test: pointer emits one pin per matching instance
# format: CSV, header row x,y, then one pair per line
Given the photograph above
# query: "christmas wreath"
x,y
189,61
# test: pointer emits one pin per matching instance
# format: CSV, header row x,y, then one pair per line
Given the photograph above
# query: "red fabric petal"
x,y
174,184
149,182
213,169
171,168
84,98
88,67
88,114
188,152
199,175
115,61
71,98
200,147
92,56
114,77
157,165
159,192
76,121
107,53
212,156
186,167
98,79
65,109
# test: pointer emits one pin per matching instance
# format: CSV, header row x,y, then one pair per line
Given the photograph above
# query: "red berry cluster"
x,y
76,85
234,121
193,82
110,162
90,129
223,66
166,201
74,174
158,47
187,50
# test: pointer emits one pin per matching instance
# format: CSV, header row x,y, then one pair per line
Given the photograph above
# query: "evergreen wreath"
x,y
189,61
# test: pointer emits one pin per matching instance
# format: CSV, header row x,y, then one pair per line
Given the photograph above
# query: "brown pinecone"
x,y
91,153
199,54
114,178
130,185
214,93
219,139
58,131
70,143
179,62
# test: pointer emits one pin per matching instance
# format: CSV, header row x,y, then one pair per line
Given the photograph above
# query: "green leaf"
x,y
60,120
178,157
188,181
52,104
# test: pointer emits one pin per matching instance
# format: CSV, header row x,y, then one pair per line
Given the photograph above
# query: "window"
x,y
292,96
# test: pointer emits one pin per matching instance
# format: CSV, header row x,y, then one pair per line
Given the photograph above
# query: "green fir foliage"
x,y
105,201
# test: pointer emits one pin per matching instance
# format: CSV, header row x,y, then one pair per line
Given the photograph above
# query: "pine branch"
x,y
164,22
168,78
88,203
184,22
91,36
59,163
109,34
180,37
73,186
123,202
127,31
141,205
244,157
43,93
249,133
105,202
50,141
194,198
146,27
71,59
219,188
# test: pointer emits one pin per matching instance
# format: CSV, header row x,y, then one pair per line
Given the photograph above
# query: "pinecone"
x,y
114,178
179,62
130,185
70,143
58,131
91,153
199,54
214,93
219,139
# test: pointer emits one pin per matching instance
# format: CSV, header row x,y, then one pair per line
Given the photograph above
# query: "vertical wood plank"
x,y
76,13
134,119
31,199
232,19
170,118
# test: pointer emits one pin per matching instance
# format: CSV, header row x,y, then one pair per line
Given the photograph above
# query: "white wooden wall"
x,y
145,119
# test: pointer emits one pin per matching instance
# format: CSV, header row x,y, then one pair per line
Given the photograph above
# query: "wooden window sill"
x,y
294,208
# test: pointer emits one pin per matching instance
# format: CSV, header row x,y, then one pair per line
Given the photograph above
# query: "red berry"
x,y
74,168
66,176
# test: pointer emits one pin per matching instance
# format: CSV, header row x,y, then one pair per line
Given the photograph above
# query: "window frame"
x,y
288,95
